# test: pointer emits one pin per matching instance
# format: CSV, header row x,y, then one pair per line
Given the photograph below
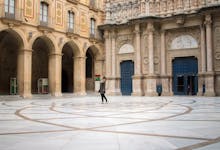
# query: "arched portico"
x,y
42,65
94,66
69,51
11,44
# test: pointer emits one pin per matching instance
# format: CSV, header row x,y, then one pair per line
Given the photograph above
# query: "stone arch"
x,y
42,64
93,66
184,42
126,48
69,52
11,44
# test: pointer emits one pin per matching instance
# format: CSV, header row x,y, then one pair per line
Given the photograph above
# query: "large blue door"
x,y
127,71
185,76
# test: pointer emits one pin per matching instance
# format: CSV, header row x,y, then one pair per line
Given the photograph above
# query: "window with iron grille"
x,y
43,12
71,21
92,27
9,8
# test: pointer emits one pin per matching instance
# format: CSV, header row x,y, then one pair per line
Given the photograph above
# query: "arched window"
x,y
92,27
10,8
44,13
71,21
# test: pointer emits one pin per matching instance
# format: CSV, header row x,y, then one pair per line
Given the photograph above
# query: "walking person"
x,y
102,90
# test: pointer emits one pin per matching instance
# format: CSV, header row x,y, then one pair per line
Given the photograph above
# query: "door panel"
x,y
127,71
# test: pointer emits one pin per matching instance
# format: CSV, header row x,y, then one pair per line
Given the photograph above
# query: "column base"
x,y
209,94
113,93
80,94
26,96
137,85
58,94
137,94
166,94
151,94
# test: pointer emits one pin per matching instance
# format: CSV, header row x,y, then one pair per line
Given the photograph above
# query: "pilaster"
x,y
137,78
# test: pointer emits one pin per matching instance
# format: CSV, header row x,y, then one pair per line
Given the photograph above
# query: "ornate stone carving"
x,y
121,11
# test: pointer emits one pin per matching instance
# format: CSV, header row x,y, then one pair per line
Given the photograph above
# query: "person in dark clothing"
x,y
102,90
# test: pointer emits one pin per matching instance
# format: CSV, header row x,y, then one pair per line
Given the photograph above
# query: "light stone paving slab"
x,y
125,123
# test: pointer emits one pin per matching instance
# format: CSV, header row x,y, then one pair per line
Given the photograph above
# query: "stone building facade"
x,y
168,47
50,46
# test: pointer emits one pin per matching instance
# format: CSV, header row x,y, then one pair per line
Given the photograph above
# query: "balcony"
x,y
12,17
46,24
73,32
95,37
73,1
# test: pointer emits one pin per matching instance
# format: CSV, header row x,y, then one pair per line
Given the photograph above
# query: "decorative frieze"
x,y
118,11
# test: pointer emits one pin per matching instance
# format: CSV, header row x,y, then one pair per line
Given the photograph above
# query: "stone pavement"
x,y
125,123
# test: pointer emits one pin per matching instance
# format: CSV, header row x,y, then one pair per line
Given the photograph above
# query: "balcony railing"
x,y
15,15
95,36
73,31
46,24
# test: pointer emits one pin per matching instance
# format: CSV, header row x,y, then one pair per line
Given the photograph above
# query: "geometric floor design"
x,y
124,123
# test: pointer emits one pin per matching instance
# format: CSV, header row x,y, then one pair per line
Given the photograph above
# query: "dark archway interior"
x,y
39,62
67,69
89,70
9,47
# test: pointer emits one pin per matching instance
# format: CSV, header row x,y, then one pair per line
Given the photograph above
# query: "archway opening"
x,y
90,86
40,58
10,43
67,69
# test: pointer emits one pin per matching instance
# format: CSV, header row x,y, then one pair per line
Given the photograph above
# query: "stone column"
x,y
164,77
24,72
112,90
55,64
203,61
210,74
151,78
108,58
80,75
137,78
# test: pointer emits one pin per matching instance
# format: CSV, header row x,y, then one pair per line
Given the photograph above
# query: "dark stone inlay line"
x,y
199,145
18,113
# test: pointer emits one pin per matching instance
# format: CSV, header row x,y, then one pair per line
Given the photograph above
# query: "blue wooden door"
x,y
127,71
185,76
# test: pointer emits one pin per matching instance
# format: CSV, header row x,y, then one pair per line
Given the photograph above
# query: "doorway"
x,y
185,76
127,71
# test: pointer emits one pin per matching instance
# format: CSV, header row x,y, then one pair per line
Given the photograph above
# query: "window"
x,y
43,12
9,8
92,3
71,20
92,27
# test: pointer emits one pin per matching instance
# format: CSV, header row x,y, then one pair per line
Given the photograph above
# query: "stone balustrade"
x,y
120,11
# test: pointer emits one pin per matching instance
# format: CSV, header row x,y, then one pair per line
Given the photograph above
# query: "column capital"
x,y
106,34
150,27
208,19
79,57
56,54
25,50
113,34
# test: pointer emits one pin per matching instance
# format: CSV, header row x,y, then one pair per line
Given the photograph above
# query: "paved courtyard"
x,y
125,123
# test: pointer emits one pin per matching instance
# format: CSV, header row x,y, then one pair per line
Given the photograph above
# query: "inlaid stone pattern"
x,y
59,10
29,8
